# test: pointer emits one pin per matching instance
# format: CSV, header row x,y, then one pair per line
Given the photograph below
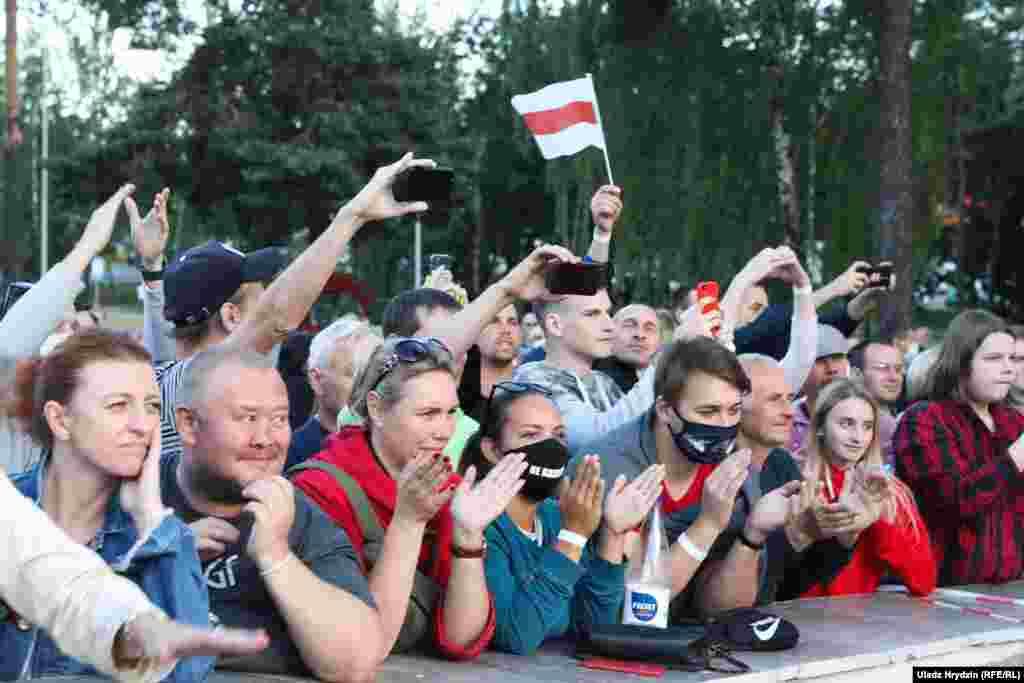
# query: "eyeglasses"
x,y
513,388
411,350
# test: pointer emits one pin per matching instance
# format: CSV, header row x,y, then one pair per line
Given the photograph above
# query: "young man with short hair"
x,y
727,516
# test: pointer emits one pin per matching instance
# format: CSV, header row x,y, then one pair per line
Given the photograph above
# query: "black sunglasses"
x,y
411,350
513,388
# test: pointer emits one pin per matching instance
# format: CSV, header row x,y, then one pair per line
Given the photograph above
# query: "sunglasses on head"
x,y
513,388
410,350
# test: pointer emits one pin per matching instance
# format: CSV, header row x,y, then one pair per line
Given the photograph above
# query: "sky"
x,y
145,65
142,66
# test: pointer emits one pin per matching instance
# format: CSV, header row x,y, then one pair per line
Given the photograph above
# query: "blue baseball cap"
x,y
204,278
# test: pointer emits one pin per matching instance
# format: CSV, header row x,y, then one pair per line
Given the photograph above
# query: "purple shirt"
x,y
801,425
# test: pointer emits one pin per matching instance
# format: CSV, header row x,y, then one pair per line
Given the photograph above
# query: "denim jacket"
x,y
165,566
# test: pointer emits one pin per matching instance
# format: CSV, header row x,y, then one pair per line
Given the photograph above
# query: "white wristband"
x,y
691,548
288,558
808,289
572,538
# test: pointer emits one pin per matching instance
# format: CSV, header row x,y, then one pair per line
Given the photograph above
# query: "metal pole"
x,y
418,255
44,194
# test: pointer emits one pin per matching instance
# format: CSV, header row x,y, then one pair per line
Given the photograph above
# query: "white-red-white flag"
x,y
563,117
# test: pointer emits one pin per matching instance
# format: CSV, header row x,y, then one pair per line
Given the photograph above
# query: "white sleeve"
x,y
584,424
36,314
65,588
155,328
803,347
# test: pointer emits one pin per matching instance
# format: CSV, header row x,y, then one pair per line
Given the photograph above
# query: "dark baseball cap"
x,y
200,281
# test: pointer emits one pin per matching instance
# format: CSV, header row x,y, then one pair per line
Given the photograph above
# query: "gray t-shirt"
x,y
238,595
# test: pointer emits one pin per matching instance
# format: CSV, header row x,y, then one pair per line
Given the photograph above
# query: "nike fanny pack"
x,y
752,630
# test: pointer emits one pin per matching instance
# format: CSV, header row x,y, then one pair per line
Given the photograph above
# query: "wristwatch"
x,y
470,553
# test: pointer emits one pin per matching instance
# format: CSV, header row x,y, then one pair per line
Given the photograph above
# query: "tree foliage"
x,y
287,106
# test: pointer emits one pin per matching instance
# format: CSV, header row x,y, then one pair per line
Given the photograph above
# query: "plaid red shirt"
x,y
969,491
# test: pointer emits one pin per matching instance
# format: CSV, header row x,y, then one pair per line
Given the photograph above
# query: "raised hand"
x,y
213,536
581,500
852,280
605,208
423,489
376,201
151,636
476,505
149,234
769,263
526,281
869,298
272,503
140,497
697,323
100,228
627,505
722,487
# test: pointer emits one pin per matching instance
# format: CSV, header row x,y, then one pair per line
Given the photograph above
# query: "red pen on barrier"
x,y
638,668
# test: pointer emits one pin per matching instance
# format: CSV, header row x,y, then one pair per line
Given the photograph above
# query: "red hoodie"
x,y
350,451
884,547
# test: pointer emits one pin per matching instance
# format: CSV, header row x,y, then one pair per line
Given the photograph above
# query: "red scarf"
x,y
350,450
837,477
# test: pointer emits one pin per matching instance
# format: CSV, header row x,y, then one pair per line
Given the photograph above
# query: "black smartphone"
x,y
12,292
585,279
435,185
883,273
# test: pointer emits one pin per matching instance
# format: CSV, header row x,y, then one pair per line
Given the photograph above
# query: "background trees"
x,y
843,128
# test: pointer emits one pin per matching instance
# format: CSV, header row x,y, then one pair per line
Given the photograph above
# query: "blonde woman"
x,y
844,463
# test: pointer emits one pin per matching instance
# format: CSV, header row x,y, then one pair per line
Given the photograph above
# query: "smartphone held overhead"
x,y
878,276
431,185
584,279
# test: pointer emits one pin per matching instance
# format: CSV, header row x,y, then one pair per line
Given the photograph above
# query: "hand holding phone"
x,y
707,297
431,185
878,276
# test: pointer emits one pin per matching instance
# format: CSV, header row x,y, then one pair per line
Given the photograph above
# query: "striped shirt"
x,y
169,375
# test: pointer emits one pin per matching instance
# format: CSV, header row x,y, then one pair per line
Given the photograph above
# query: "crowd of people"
x,y
222,490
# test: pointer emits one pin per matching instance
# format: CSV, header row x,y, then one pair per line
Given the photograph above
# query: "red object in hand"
x,y
638,668
710,290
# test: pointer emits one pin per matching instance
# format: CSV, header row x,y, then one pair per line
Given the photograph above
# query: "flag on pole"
x,y
563,117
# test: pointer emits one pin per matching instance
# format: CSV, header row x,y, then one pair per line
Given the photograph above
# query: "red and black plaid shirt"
x,y
969,491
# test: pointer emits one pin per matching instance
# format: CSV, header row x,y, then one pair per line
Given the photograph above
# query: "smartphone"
x,y
435,185
709,290
585,279
12,292
882,271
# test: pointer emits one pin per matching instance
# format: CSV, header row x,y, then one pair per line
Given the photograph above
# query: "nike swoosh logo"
x,y
765,628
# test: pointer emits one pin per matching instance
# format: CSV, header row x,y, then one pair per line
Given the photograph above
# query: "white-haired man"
x,y
336,355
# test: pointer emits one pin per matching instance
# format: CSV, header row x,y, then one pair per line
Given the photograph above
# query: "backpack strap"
x,y
373,533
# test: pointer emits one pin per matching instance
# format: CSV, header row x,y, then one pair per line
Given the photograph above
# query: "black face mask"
x,y
704,444
546,462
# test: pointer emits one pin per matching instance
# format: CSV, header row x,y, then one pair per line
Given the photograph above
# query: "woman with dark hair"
x,y
94,406
844,459
962,454
416,525
547,572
